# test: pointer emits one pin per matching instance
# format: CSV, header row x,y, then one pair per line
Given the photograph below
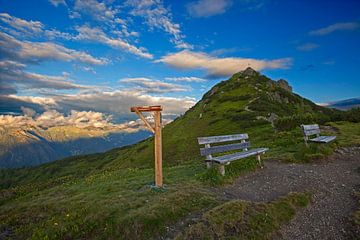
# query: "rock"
x,y
284,84
249,72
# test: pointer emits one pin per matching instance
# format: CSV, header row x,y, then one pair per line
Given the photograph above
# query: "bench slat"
x,y
311,132
224,148
310,127
323,139
223,138
232,157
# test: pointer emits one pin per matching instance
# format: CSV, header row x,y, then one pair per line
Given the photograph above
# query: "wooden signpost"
x,y
156,110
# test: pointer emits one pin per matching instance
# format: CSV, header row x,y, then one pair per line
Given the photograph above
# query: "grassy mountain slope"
x,y
108,196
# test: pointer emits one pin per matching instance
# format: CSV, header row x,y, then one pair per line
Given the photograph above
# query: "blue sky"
x,y
104,56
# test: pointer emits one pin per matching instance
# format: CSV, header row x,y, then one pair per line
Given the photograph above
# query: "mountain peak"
x,y
249,72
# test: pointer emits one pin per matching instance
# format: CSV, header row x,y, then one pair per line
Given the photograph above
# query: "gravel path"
x,y
332,182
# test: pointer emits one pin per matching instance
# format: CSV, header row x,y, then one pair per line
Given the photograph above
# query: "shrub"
x,y
291,122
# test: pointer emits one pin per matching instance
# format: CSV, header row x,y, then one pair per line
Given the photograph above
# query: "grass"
x,y
348,133
111,204
246,220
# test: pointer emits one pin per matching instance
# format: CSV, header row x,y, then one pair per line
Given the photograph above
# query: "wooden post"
x,y
158,150
157,138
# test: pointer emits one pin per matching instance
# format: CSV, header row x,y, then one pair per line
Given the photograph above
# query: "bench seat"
x,y
323,139
241,148
235,156
314,129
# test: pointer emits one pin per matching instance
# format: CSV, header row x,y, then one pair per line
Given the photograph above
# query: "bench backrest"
x,y
208,150
310,129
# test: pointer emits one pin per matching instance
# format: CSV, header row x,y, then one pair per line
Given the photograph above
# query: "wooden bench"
x,y
310,130
226,159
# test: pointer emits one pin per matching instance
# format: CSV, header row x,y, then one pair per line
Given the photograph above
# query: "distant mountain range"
x,y
344,104
29,145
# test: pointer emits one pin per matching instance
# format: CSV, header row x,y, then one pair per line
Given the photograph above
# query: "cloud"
x,y
46,102
52,118
12,74
120,101
148,85
346,26
220,67
20,28
185,79
26,51
26,27
98,11
207,8
79,119
53,34
307,47
58,2
97,35
115,102
157,16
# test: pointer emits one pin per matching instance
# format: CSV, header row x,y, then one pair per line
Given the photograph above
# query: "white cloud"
x,y
53,34
20,28
157,16
79,119
185,79
26,51
13,73
307,47
51,118
148,85
97,35
217,67
26,27
115,102
58,2
44,101
98,11
346,26
207,8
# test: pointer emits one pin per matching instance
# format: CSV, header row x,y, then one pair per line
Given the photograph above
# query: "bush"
x,y
291,122
352,115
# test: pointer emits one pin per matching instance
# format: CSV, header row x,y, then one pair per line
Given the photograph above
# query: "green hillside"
x,y
108,195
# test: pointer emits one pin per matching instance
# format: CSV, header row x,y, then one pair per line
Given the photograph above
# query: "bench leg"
x,y
258,158
306,142
222,170
208,164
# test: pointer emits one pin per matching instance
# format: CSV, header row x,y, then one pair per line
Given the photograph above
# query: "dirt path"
x,y
332,183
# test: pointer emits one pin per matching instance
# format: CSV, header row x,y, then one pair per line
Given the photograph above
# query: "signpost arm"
x,y
145,121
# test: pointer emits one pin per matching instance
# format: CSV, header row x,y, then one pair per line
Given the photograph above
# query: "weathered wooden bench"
x,y
226,159
310,130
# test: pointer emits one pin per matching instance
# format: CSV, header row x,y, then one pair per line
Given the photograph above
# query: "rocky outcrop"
x,y
284,84
249,72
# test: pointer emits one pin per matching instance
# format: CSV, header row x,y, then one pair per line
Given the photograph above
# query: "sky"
x,y
75,58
